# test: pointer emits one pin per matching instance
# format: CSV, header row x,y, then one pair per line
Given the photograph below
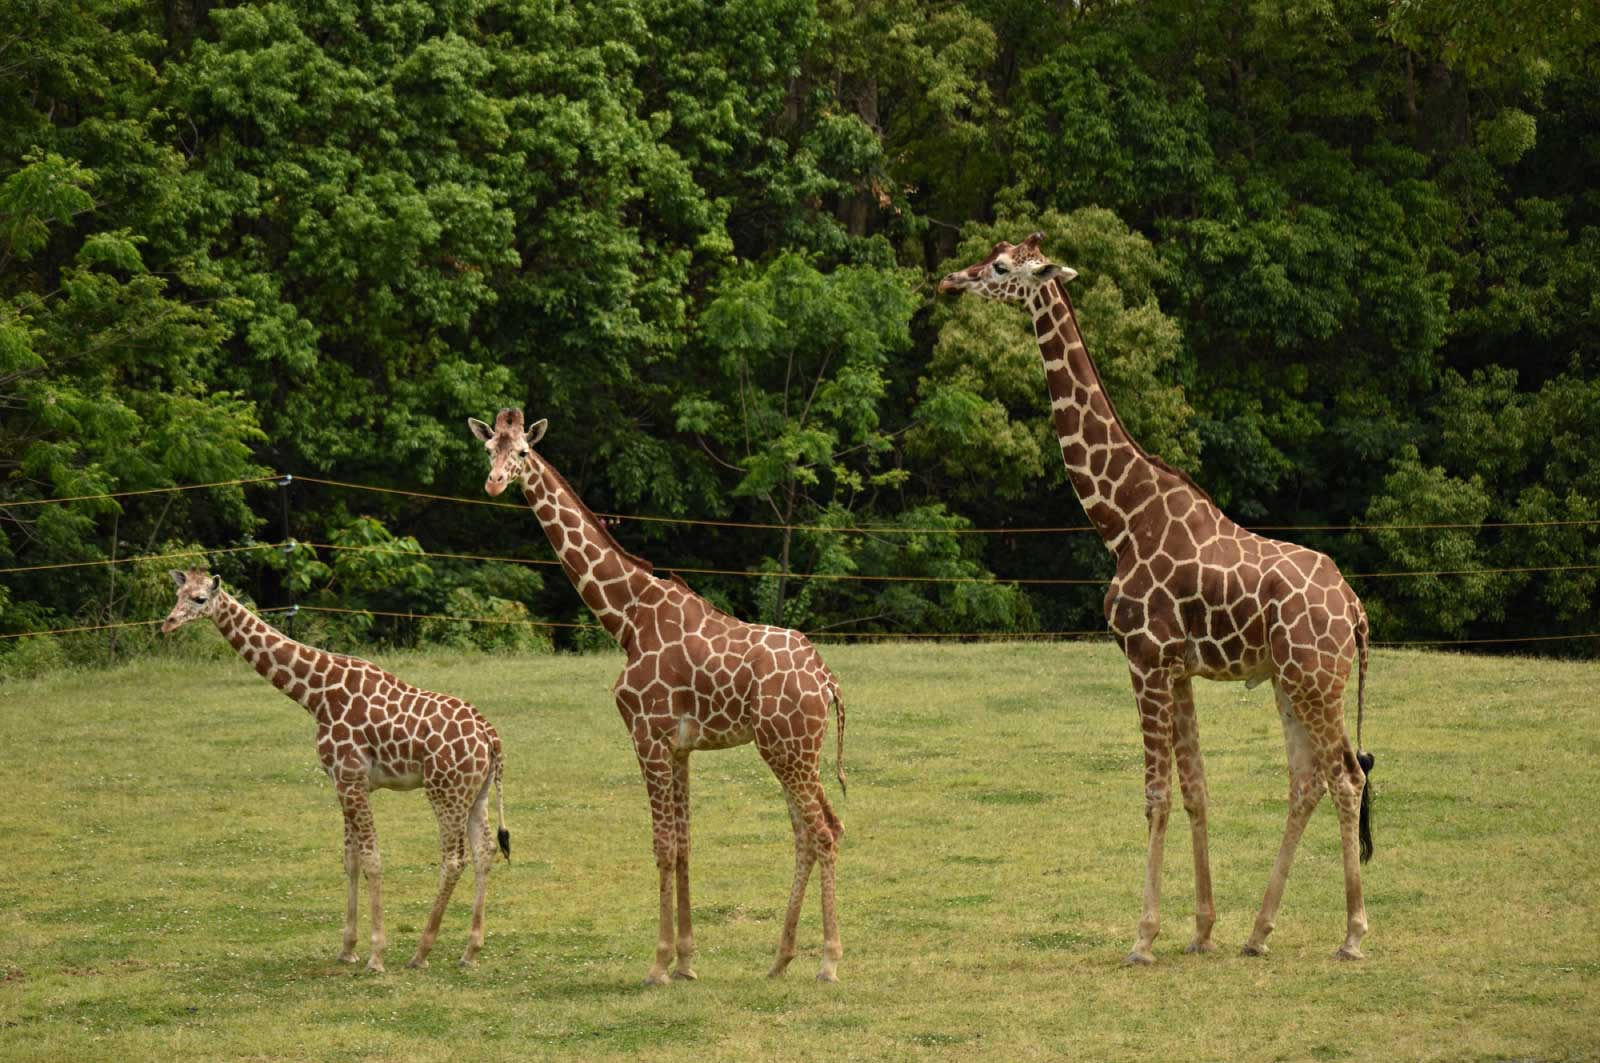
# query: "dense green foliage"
x,y
1340,260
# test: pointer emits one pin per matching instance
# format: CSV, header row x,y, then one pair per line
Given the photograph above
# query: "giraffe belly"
x,y
707,734
394,776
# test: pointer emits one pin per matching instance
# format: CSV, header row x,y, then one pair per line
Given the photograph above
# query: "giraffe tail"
x,y
838,756
1365,759
503,836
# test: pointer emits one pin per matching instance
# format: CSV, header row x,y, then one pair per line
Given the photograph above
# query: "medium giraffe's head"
x,y
198,591
1011,273
511,455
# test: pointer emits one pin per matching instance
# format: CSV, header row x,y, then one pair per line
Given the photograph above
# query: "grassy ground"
x,y
173,886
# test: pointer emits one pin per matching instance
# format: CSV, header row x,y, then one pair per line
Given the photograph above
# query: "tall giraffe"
x,y
375,732
696,678
1196,595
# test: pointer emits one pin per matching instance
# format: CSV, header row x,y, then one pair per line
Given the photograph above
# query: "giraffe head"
x,y
511,455
198,591
1011,273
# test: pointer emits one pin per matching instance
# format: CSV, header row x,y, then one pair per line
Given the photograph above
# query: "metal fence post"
x,y
288,549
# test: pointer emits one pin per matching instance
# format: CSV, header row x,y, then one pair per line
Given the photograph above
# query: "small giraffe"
x,y
1196,595
696,678
375,732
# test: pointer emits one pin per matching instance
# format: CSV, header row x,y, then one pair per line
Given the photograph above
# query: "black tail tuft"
x,y
1366,760
504,837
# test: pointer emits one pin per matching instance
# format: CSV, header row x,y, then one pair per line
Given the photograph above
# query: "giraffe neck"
x,y
606,577
1112,475
256,640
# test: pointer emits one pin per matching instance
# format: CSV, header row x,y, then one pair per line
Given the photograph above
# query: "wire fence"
x,y
283,482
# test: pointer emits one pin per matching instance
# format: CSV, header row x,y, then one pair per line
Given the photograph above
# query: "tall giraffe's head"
x,y
511,456
1011,273
198,591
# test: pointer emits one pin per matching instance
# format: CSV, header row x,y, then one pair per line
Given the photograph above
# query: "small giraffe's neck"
x,y
1113,476
256,641
606,577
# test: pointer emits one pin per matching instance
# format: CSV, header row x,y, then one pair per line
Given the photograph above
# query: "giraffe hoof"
x,y
374,968
349,957
1252,949
1139,959
657,978
684,974
1201,946
827,976
418,963
1348,952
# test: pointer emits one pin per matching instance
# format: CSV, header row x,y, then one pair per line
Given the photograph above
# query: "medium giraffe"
x,y
375,732
1196,595
696,678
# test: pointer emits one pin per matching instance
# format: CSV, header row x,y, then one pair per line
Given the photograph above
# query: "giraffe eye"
x,y
1000,268
522,453
198,599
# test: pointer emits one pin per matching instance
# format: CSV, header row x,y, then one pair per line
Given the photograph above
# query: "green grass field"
x,y
172,882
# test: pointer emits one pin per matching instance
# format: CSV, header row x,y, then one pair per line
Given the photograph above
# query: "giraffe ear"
x,y
536,430
479,429
177,577
216,583
1066,274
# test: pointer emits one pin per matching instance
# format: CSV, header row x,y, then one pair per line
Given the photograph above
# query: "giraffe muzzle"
x,y
953,282
493,487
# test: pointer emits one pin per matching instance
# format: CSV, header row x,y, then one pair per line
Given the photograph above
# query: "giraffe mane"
x,y
597,522
1154,459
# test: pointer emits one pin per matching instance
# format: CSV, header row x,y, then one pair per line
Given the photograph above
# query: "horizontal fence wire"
x,y
881,636
787,574
142,491
752,525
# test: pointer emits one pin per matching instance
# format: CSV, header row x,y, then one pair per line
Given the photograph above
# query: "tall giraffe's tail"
x,y
503,836
1366,760
838,756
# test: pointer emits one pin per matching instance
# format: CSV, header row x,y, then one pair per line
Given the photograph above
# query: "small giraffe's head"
x,y
198,591
1011,273
511,455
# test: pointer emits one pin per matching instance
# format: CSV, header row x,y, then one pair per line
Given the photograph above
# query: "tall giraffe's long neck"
x,y
606,577
258,642
1107,468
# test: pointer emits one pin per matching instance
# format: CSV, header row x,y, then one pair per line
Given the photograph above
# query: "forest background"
x,y
1339,260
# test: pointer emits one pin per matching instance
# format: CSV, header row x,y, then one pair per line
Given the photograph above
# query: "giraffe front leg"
x,y
1154,694
680,819
1192,780
358,814
657,767
352,869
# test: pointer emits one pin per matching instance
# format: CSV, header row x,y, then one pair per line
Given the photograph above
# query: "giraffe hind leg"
x,y
452,816
482,860
1305,792
804,857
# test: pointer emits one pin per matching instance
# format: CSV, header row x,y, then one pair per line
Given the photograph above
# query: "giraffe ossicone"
x,y
1193,595
375,731
696,678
